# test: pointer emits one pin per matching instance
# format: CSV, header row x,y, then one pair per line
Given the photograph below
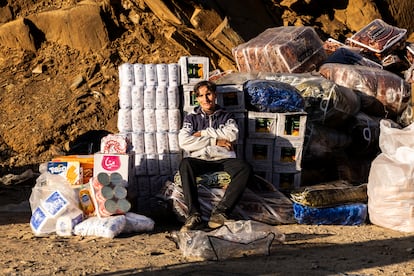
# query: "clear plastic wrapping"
x,y
390,89
281,49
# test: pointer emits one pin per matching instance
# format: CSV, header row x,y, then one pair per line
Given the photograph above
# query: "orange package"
x,y
85,161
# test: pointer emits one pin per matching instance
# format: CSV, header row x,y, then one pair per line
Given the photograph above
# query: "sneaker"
x,y
217,220
193,222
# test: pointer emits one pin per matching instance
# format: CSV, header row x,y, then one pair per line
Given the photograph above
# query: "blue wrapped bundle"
x,y
273,96
350,214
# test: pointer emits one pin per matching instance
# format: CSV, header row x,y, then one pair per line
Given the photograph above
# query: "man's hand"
x,y
224,143
197,134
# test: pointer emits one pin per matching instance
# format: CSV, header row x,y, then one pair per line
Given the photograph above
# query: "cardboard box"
x,y
70,170
287,158
110,163
231,97
262,124
291,125
259,152
286,181
193,69
189,98
86,164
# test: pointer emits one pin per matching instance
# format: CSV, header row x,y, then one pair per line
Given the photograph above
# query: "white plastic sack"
x,y
391,180
52,197
106,227
137,223
391,137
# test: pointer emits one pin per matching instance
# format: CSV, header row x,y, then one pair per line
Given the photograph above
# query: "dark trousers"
x,y
240,171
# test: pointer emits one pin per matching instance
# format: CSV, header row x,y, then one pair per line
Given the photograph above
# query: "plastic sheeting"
x,y
390,89
325,102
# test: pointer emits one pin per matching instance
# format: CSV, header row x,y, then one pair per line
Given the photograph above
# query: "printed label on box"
x,y
55,203
71,171
38,218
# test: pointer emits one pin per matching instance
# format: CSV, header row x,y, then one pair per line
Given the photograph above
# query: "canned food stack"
x,y
274,146
150,112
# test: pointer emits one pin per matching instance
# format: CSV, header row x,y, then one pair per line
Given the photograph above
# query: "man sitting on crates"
x,y
207,136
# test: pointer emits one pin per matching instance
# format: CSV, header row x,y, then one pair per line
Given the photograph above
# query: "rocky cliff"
x,y
59,59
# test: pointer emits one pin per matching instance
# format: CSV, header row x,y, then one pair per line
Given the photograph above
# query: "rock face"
x,y
59,62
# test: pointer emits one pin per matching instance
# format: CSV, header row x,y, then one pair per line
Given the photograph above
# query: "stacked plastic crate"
x,y
149,113
274,147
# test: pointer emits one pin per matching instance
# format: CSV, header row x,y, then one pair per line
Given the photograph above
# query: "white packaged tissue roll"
x,y
161,119
150,143
173,74
161,98
139,74
138,142
173,97
162,141
149,97
150,120
125,97
137,117
162,74
137,97
124,120
126,74
150,74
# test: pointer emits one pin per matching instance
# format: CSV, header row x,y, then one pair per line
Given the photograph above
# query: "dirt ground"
x,y
57,86
308,250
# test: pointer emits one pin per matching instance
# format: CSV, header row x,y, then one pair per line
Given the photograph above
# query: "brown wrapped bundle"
x,y
331,194
378,37
281,49
390,89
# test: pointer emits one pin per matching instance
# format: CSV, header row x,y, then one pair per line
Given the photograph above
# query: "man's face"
x,y
206,99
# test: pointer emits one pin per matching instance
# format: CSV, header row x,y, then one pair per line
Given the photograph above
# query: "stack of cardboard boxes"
x,y
274,147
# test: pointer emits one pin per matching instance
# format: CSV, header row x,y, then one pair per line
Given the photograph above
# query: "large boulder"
x,y
17,34
80,27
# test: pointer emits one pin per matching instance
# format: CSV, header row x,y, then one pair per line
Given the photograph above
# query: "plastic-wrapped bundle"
x,y
325,102
349,214
390,89
365,132
260,203
273,96
407,116
233,240
281,49
378,37
108,227
330,194
347,56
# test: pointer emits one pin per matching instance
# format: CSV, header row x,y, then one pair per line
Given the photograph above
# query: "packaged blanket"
x,y
390,89
349,214
272,96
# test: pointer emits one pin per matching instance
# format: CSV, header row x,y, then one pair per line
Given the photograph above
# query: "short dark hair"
x,y
211,86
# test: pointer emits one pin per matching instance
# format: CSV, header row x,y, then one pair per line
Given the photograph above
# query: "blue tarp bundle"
x,y
349,214
273,96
